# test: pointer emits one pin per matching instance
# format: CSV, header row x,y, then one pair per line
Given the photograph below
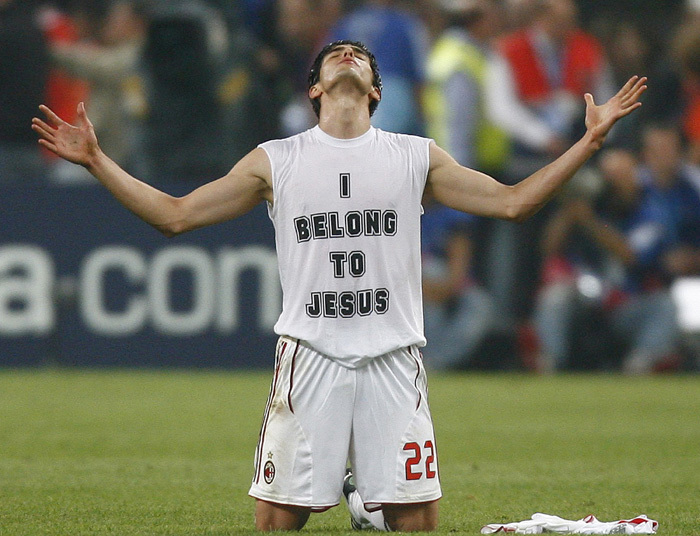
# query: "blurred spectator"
x,y
302,27
629,51
23,75
258,17
670,97
686,79
620,261
459,314
454,99
673,204
110,64
430,16
586,255
77,22
399,41
520,13
665,238
260,57
535,92
250,90
538,89
184,58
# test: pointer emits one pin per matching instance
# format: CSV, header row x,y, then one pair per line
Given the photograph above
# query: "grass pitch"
x,y
170,452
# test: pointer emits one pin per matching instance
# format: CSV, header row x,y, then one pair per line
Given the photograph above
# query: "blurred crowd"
x,y
179,90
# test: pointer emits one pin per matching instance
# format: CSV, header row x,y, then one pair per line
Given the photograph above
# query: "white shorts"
x,y
320,414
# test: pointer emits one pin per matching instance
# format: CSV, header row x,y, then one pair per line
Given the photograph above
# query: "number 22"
x,y
413,461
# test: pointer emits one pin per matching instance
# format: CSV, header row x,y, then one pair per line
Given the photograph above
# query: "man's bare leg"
x,y
411,517
272,516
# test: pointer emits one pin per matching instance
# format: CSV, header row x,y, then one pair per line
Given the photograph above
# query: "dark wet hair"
x,y
315,72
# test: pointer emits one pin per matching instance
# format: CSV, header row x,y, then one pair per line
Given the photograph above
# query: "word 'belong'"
x,y
369,222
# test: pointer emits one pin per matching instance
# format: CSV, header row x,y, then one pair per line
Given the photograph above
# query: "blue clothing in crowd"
x,y
456,327
399,41
667,218
438,224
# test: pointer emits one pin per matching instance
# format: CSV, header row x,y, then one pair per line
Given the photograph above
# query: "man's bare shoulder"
x,y
256,164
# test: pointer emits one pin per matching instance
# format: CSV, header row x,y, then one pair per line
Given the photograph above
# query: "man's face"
x,y
663,154
559,19
349,67
619,168
346,63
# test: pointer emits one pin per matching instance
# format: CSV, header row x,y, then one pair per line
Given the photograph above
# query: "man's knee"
x,y
415,517
272,516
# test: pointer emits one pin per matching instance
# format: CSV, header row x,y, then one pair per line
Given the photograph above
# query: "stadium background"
x,y
83,283
147,446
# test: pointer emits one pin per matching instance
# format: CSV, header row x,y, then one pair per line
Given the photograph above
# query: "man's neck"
x,y
345,118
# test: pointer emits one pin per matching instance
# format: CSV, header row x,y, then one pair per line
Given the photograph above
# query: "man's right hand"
x,y
75,143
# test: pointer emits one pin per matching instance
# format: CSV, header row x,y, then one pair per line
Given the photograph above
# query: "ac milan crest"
x,y
269,472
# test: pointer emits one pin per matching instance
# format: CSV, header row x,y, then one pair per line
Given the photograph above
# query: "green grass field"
x,y
156,453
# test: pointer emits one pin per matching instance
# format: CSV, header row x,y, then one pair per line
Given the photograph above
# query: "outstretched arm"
x,y
470,191
248,183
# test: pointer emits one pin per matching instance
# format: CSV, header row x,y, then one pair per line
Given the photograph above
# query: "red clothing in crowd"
x,y
583,57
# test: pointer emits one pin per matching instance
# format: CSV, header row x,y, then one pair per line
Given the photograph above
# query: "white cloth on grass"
x,y
540,523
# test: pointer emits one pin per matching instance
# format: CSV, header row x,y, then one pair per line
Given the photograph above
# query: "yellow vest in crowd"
x,y
451,55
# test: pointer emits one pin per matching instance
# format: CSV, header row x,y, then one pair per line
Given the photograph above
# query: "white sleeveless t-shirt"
x,y
347,228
